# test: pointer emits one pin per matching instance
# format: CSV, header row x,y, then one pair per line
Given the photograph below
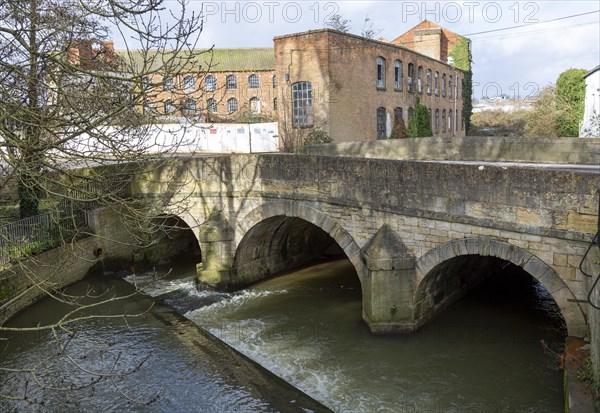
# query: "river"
x,y
496,350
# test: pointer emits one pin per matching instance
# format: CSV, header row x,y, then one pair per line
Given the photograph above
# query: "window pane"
x,y
380,72
253,82
210,83
231,82
232,105
381,132
211,105
302,104
255,106
188,83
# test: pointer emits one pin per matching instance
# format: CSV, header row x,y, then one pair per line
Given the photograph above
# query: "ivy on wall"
x,y
463,60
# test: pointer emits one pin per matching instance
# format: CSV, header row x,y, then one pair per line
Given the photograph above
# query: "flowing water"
x,y
496,350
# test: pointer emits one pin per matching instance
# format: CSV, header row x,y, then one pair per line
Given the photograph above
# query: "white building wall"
x,y
590,126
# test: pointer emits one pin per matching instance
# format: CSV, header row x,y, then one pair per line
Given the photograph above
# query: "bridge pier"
x,y
388,284
218,250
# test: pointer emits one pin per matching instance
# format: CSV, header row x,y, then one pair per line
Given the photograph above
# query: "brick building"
x,y
215,85
431,40
357,89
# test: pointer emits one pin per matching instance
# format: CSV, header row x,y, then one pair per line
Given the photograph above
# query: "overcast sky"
x,y
516,62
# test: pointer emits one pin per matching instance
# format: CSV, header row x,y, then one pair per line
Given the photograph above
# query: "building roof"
x,y
210,60
594,70
382,43
426,24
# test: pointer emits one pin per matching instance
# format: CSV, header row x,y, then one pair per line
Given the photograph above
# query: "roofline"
x,y
441,27
594,70
378,42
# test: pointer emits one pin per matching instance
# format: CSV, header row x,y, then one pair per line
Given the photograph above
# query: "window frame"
x,y
230,102
210,83
189,83
380,73
254,100
169,107
381,115
428,84
253,81
190,110
443,120
443,85
231,82
169,84
398,75
302,104
411,78
211,105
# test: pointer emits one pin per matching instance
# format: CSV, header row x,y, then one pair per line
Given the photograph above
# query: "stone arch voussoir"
x,y
308,213
537,268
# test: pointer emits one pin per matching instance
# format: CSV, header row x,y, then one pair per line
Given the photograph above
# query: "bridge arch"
x,y
274,215
430,269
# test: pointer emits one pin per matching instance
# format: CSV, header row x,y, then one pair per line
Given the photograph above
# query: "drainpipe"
x,y
454,121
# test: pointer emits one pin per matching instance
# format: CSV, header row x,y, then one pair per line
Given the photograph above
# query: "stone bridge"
x,y
419,234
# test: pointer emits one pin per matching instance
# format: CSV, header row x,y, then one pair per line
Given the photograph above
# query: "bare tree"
x,y
368,29
70,105
337,22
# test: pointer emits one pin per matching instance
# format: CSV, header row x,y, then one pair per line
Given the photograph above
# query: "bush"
x,y
419,124
499,123
315,137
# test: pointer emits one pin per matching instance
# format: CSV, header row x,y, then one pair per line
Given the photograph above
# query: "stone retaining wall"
x,y
584,151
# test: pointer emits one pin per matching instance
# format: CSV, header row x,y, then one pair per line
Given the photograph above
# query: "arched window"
x,y
211,105
429,81
437,120
302,104
232,105
189,83
450,121
380,72
230,82
255,106
444,120
436,84
210,83
253,82
147,84
450,86
381,132
168,83
189,107
397,116
274,103
169,107
398,74
274,81
420,79
411,77
444,85
149,107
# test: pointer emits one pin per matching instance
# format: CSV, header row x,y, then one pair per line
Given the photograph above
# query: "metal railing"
x,y
42,232
21,238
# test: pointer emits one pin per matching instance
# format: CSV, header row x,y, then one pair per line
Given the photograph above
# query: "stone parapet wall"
x,y
585,151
